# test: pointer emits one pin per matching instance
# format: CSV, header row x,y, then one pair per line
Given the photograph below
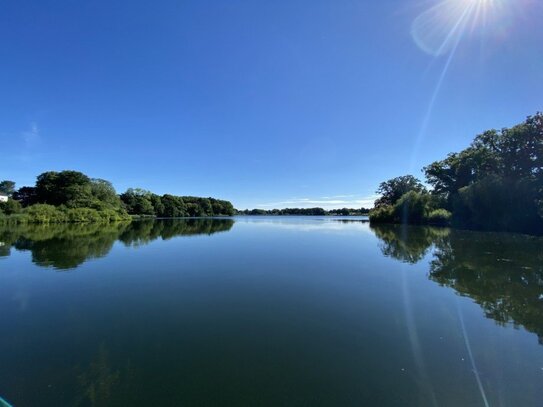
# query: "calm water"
x,y
269,312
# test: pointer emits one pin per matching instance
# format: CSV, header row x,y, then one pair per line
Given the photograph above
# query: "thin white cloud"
x,y
333,202
31,137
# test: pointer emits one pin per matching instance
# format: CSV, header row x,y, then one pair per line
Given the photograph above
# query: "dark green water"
x,y
269,312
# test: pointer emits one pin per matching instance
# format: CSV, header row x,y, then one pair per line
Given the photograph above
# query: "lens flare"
x,y
437,29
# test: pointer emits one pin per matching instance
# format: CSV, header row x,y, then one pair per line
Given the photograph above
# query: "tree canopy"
x,y
496,183
71,196
7,187
392,190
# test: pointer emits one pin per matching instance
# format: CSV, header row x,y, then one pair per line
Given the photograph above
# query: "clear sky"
x,y
265,103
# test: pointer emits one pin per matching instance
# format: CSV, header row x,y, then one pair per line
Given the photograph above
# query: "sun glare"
x,y
438,29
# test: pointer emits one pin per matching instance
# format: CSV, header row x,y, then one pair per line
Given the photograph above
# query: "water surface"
x,y
260,311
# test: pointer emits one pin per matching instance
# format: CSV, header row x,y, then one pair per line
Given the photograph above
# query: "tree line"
x,y
142,202
494,184
71,196
304,212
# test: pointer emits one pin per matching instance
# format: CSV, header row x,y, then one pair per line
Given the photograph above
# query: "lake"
x,y
269,311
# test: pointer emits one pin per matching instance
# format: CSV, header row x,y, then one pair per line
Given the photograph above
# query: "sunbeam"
x,y
437,29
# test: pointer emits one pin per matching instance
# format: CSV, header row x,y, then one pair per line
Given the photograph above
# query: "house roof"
x,y
2,194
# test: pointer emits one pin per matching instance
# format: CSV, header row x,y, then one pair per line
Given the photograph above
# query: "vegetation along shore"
x,y
494,184
71,196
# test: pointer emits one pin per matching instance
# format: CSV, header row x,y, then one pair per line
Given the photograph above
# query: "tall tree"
x,y
393,189
7,187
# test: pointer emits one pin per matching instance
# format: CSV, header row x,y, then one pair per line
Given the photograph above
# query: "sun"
x,y
438,29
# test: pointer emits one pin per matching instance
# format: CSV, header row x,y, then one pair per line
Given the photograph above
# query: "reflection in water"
x,y
103,385
503,273
66,246
407,243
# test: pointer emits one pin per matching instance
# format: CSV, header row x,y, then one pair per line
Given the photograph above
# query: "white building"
x,y
3,197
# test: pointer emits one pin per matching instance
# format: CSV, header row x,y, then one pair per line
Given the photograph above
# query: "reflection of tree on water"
x,y
66,246
145,231
503,273
103,385
408,244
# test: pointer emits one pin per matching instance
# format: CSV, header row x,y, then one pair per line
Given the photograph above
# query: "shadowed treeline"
x,y
66,246
503,273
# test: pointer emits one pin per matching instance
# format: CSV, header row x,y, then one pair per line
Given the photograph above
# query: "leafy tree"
x,y
71,188
497,182
10,207
393,189
158,206
138,202
174,207
103,192
25,195
7,187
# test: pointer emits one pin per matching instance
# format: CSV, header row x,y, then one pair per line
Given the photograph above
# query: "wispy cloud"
x,y
330,202
31,137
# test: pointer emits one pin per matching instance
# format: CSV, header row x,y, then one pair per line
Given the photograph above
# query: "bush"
x,y
81,215
498,204
43,213
412,207
440,217
383,214
10,207
14,219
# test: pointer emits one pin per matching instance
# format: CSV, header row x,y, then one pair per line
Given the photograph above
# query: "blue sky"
x,y
267,104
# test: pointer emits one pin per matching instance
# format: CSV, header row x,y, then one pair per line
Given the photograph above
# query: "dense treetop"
x,y
496,184
71,196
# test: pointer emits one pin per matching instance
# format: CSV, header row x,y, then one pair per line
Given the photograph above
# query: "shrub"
x,y
440,217
382,214
10,207
43,213
412,207
82,215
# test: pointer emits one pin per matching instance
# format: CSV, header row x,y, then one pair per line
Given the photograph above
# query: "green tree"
x,y
158,206
104,195
393,189
7,187
497,182
25,195
138,202
70,188
10,207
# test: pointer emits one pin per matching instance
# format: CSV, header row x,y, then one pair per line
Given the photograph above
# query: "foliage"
x,y
141,202
71,196
7,187
392,190
305,212
137,202
439,217
10,207
382,214
413,207
25,195
497,182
